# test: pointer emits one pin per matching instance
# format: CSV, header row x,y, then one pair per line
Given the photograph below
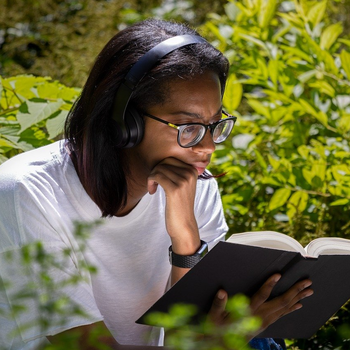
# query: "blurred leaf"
x,y
330,35
279,198
316,13
342,201
233,93
345,62
266,12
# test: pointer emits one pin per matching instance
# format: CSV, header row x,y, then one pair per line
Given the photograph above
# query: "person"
x,y
134,157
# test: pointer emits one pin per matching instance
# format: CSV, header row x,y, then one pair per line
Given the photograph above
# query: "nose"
x,y
206,145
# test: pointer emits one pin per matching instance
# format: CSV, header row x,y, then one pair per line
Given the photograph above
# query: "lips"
x,y
200,167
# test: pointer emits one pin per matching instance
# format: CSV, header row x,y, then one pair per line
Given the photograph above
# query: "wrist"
x,y
187,260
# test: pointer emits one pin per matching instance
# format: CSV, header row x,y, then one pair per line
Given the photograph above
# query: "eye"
x,y
190,130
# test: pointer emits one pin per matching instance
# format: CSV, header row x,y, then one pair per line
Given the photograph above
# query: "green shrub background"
x,y
288,162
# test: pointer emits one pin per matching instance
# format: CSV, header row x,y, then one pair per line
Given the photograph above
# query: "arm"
x,y
179,182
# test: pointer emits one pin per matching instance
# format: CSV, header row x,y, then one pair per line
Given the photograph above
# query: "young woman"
x,y
136,147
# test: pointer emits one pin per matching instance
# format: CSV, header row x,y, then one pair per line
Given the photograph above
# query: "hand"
x,y
269,311
179,181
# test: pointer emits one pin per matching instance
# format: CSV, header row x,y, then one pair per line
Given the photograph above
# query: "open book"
x,y
276,240
245,261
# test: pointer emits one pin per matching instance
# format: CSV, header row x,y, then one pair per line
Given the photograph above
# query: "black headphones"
x,y
130,124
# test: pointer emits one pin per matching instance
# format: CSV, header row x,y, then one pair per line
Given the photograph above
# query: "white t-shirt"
x,y
41,199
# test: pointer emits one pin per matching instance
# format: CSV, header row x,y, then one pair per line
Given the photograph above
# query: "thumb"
x,y
217,311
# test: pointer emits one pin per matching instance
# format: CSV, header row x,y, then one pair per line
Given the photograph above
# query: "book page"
x,y
268,239
328,246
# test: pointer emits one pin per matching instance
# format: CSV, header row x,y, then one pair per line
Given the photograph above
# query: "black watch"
x,y
188,261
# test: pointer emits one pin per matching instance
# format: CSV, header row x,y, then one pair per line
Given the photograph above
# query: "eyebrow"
x,y
196,115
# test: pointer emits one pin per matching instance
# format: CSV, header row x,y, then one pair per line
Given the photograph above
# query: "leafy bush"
x,y
289,167
32,112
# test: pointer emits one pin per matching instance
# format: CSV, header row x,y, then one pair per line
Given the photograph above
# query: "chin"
x,y
200,170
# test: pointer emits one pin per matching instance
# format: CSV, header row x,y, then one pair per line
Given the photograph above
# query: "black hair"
x,y
90,129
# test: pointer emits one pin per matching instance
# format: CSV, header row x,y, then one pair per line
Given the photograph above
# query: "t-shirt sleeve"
x,y
44,281
209,212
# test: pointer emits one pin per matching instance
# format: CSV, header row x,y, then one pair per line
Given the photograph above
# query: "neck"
x,y
135,194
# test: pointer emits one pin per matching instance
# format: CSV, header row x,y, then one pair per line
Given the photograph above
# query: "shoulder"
x,y
30,165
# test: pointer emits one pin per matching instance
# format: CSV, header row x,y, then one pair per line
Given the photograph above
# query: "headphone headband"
x,y
130,136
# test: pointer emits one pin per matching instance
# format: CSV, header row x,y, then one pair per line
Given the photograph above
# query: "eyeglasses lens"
x,y
190,135
222,131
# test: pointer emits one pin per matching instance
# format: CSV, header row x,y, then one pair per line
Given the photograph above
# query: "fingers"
x,y
171,174
218,313
270,311
264,292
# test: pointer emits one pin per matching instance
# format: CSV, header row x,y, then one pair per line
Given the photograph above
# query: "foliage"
x,y
32,112
289,167
181,335
61,38
39,296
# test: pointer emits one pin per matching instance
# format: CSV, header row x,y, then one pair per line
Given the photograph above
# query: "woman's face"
x,y
189,101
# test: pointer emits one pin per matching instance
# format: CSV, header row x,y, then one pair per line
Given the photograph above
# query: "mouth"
x,y
200,167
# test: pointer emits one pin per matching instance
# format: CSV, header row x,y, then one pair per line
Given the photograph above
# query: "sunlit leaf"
x,y
330,35
55,125
316,12
345,62
297,203
37,111
266,12
273,71
233,93
342,201
279,198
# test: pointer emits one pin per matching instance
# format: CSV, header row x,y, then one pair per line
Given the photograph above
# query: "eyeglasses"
x,y
191,134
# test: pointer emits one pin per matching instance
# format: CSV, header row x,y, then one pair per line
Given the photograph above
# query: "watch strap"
x,y
188,261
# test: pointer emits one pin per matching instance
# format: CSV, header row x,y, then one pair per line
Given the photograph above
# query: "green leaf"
x,y
344,123
297,203
322,118
303,150
319,169
304,77
37,111
259,108
324,87
279,198
342,201
330,35
316,13
256,41
273,162
345,62
233,93
55,125
273,71
308,175
260,159
266,12
231,10
306,106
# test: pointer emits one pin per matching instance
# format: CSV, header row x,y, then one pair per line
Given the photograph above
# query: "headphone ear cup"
x,y
135,125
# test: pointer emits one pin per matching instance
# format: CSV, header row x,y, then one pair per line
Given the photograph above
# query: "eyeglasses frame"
x,y
207,126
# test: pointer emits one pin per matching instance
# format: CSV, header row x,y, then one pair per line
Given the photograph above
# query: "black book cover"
x,y
243,269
